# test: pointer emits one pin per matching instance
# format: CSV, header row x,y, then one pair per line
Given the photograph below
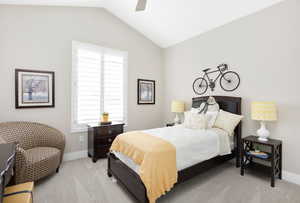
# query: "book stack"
x,y
258,154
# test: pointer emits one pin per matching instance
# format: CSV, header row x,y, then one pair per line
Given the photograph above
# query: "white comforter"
x,y
192,146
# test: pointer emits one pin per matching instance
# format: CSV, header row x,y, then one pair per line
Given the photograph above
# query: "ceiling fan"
x,y
141,5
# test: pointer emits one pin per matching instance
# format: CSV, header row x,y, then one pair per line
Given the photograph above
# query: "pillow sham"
x,y
227,121
194,120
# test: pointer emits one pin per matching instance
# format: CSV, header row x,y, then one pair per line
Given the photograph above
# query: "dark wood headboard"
x,y
230,104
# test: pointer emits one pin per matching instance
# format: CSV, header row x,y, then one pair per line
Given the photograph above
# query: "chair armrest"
x,y
55,138
2,141
21,164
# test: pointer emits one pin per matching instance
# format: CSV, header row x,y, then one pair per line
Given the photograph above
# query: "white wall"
x,y
264,49
34,37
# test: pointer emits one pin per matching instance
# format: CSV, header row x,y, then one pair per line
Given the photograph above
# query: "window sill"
x,y
79,130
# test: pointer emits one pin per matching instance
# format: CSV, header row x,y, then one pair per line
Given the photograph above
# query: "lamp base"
x,y
263,132
177,119
262,139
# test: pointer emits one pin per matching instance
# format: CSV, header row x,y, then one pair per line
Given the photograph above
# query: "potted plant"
x,y
105,117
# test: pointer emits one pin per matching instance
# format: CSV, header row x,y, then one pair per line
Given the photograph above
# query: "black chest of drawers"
x,y
100,138
7,159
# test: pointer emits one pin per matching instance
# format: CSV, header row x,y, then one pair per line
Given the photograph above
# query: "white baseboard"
x,y
291,177
75,155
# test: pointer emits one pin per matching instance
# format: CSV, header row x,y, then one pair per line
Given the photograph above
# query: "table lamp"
x,y
177,107
263,111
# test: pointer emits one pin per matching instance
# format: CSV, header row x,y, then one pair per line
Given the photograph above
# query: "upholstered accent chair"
x,y
39,152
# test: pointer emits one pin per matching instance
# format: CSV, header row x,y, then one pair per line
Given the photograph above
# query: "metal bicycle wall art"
x,y
228,80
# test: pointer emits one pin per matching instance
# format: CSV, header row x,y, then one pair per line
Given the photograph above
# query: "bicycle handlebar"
x,y
223,67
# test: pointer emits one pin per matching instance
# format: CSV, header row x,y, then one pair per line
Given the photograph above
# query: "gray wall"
x,y
41,37
264,49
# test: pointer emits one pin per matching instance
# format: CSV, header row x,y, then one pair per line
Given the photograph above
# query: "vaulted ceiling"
x,y
168,22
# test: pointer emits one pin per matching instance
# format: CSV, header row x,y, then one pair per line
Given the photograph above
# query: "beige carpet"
x,y
82,181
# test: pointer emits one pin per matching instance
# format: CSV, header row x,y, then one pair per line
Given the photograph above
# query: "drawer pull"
x,y
110,132
109,140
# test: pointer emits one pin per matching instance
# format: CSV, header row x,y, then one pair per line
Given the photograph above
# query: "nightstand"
x,y
100,138
271,165
170,124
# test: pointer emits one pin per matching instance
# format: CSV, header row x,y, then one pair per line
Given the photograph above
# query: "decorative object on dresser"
x,y
270,163
229,80
146,91
100,138
131,180
263,111
39,150
34,89
7,160
177,107
105,119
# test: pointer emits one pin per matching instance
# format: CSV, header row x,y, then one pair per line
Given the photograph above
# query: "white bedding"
x,y
192,146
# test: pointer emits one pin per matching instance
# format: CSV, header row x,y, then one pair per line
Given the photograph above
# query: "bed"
x,y
128,177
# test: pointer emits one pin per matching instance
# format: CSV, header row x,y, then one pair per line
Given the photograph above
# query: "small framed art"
x,y
146,91
34,89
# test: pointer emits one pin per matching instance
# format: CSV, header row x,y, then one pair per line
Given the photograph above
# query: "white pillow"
x,y
195,110
213,105
227,121
211,117
194,120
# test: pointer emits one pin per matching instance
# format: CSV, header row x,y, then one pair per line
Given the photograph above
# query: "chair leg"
x,y
57,170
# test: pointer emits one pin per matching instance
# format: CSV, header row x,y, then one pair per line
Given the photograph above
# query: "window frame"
x,y
75,127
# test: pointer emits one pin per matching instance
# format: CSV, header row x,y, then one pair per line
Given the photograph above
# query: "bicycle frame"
x,y
201,84
210,80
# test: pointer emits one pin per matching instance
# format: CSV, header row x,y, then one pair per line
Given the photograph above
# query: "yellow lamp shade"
x,y
177,107
263,111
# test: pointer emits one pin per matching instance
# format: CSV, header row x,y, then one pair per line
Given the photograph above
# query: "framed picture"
x,y
34,89
146,91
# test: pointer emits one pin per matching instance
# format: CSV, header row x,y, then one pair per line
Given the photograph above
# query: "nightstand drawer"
x,y
104,140
109,130
102,150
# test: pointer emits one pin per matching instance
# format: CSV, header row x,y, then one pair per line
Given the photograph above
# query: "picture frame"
x,y
34,89
145,91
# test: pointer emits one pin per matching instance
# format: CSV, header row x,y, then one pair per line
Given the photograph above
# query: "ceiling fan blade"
x,y
141,5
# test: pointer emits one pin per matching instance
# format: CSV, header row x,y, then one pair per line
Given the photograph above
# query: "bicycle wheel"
x,y
230,81
200,86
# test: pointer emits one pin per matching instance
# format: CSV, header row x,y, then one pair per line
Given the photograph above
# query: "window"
x,y
99,84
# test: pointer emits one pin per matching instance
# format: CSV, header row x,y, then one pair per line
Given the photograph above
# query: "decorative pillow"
x,y
213,105
194,120
227,121
211,117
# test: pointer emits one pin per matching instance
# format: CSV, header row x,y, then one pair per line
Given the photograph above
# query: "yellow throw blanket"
x,y
156,158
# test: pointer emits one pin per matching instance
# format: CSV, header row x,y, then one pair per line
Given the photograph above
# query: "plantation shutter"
x,y
114,86
98,85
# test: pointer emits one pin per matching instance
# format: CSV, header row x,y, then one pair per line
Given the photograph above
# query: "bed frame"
x,y
131,181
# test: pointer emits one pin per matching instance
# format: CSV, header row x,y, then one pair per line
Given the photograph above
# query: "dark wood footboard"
x,y
132,182
128,178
